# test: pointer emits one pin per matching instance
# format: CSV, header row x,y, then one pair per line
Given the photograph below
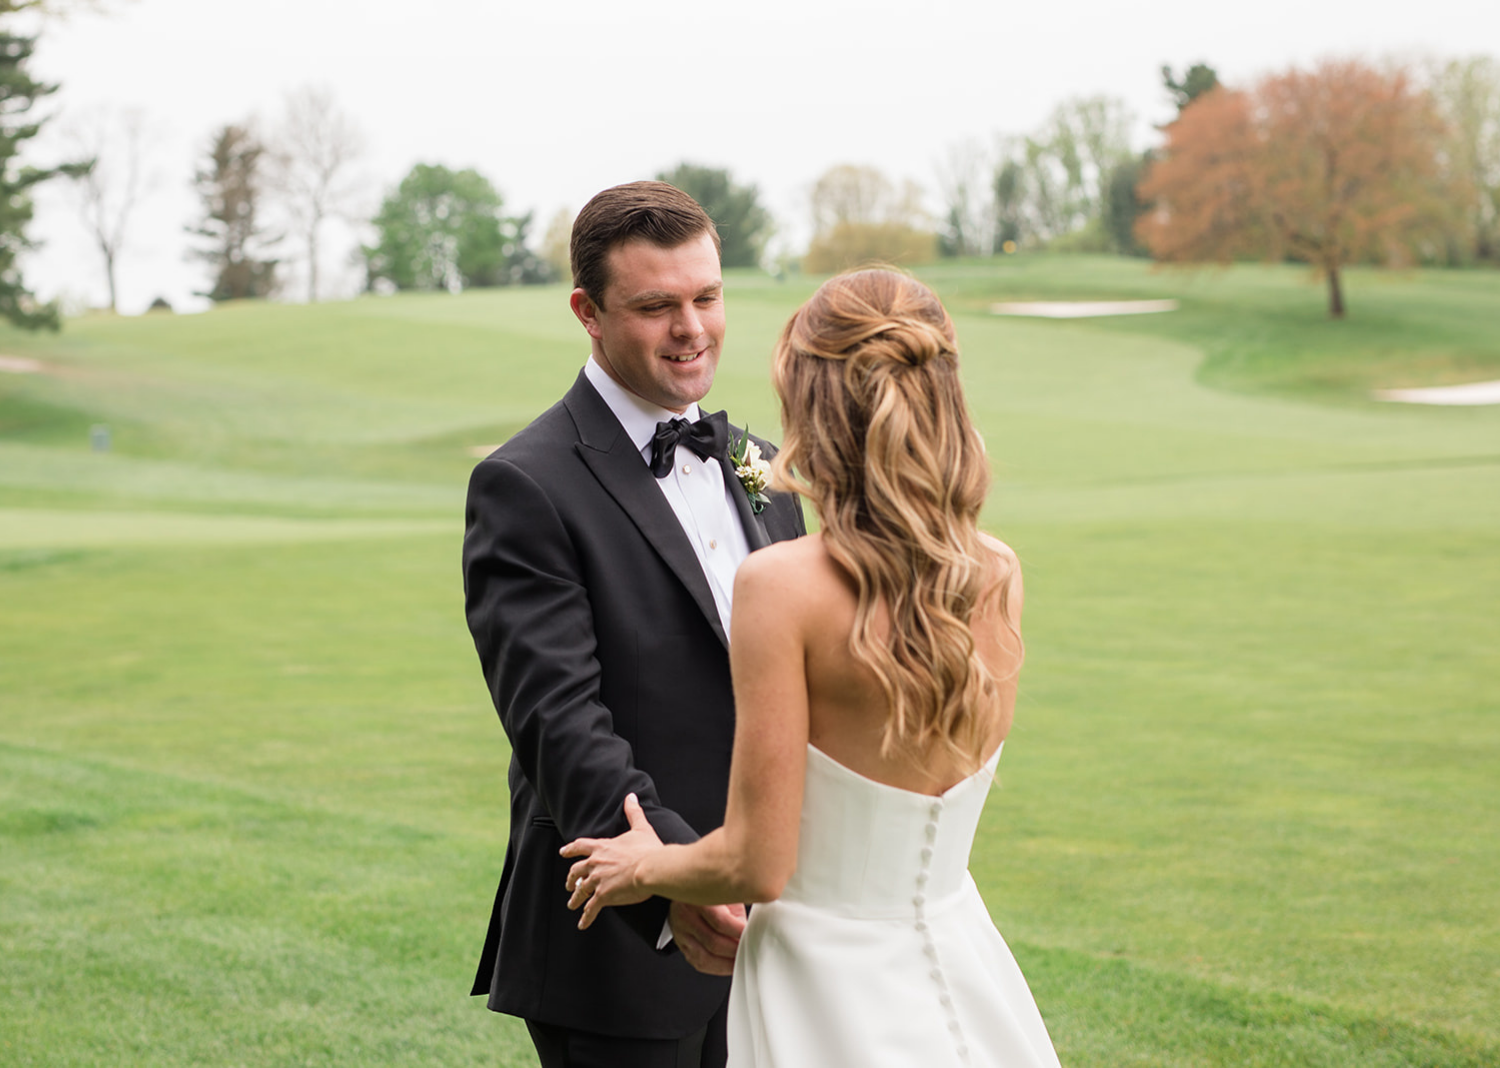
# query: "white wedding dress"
x,y
880,953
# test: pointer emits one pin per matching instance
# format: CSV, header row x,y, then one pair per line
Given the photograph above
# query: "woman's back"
x,y
879,950
847,708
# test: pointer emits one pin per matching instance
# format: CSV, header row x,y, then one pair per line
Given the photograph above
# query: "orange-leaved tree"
x,y
1341,164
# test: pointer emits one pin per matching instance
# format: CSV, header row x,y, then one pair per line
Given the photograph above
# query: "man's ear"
x,y
588,313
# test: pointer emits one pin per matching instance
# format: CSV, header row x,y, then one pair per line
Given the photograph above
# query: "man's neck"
x,y
636,414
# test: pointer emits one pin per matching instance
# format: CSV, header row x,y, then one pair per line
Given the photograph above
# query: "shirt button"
x,y
687,469
713,543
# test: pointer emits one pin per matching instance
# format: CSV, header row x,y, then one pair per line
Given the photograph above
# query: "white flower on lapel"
x,y
753,472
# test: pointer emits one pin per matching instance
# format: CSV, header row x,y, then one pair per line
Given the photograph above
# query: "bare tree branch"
x,y
312,154
108,188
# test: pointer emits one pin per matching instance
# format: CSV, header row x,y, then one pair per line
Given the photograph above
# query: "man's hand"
x,y
708,935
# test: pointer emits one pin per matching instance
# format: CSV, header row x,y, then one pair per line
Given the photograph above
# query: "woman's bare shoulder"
x,y
797,568
804,553
1005,554
1005,573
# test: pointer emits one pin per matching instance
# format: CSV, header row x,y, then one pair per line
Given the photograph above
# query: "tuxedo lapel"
x,y
755,530
614,460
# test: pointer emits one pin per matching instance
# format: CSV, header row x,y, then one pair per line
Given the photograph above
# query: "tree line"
x,y
1345,163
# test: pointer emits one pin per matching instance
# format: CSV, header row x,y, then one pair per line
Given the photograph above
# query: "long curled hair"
x,y
877,436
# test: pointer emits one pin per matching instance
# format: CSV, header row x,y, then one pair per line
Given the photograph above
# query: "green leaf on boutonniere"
x,y
753,472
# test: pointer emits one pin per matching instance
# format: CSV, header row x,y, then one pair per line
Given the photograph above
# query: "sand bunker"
x,y
1082,309
1471,394
19,365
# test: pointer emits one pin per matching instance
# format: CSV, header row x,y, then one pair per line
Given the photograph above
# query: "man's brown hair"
x,y
646,211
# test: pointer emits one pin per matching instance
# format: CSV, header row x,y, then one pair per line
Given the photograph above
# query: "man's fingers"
x,y
581,847
719,940
703,959
727,920
716,944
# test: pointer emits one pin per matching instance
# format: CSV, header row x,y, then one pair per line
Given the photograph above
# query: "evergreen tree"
x,y
230,185
19,93
739,217
1196,80
1122,205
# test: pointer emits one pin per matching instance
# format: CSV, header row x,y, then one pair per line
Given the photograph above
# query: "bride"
x,y
875,674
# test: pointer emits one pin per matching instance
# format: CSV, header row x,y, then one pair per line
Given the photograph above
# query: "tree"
x,y
743,224
556,244
1332,166
1468,94
1196,80
1120,201
109,183
1053,182
964,182
19,93
859,216
231,184
1121,205
443,229
1071,158
313,151
1010,203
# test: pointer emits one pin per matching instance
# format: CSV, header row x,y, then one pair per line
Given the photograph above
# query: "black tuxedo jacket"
x,y
603,650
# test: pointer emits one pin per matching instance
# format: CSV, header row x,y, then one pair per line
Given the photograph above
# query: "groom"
x,y
599,557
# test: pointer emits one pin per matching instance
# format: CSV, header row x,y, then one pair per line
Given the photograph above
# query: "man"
x,y
599,559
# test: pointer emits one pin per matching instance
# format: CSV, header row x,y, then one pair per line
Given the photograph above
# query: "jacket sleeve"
x,y
528,610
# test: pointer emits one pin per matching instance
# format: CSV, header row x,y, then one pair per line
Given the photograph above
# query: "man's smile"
x,y
686,357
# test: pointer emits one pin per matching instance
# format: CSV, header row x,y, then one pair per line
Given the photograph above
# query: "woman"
x,y
875,677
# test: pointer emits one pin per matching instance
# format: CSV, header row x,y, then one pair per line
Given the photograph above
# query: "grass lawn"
x,y
252,794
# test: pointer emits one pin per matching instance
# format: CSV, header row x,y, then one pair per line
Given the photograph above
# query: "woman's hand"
x,y
607,873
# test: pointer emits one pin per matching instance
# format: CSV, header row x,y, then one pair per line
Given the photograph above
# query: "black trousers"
x,y
565,1047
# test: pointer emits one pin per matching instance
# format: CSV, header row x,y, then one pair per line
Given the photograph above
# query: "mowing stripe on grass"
x,y
42,528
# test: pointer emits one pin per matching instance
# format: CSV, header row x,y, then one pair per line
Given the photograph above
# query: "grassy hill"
x,y
252,792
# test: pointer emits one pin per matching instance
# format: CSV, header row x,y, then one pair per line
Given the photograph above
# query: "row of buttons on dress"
x,y
929,947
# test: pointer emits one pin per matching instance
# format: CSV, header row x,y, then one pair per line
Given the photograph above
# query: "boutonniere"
x,y
753,472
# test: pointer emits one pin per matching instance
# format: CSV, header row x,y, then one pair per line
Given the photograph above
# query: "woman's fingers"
x,y
636,815
581,894
590,911
577,873
581,847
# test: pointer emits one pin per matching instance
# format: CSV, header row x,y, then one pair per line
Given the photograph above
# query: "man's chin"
x,y
690,389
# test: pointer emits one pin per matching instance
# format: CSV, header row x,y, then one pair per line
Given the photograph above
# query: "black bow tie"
x,y
708,437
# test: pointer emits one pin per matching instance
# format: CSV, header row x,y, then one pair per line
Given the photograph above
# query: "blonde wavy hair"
x,y
877,436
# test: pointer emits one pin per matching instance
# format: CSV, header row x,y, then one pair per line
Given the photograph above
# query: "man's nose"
x,y
687,323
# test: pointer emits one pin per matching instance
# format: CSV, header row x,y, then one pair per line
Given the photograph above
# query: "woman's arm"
x,y
752,856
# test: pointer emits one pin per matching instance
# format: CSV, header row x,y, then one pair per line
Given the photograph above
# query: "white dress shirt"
x,y
695,488
699,497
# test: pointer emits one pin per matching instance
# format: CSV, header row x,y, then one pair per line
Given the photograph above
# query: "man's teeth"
x,y
684,358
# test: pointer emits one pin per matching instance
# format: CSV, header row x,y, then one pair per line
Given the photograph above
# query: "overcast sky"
x,y
554,101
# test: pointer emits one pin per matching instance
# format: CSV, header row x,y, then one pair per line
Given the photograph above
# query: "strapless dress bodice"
x,y
873,850
880,952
